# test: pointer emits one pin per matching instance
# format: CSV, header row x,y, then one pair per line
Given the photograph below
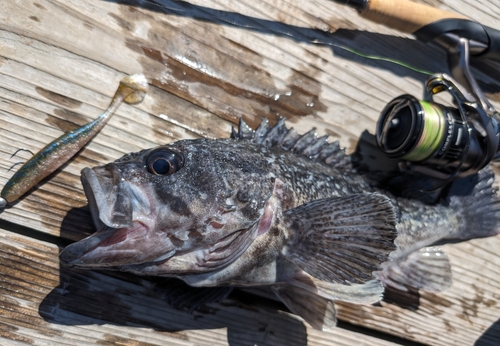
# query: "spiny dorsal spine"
x,y
308,145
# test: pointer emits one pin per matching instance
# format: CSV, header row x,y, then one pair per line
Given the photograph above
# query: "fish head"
x,y
188,207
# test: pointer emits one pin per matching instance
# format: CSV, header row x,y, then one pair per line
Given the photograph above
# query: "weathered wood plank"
x,y
211,62
44,304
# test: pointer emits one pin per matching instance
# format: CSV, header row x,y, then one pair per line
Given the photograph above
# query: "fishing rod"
x,y
432,140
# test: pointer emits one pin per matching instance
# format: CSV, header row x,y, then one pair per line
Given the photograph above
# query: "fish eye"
x,y
163,161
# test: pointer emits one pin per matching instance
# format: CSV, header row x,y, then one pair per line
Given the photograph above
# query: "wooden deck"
x,y
209,63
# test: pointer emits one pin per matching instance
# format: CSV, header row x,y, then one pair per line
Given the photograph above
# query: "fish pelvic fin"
x,y
428,269
477,206
367,293
341,239
316,310
313,299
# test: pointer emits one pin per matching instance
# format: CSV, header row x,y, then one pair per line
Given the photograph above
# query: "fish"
x,y
131,90
270,207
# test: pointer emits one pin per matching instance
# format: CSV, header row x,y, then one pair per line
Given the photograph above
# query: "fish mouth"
x,y
120,212
112,248
108,202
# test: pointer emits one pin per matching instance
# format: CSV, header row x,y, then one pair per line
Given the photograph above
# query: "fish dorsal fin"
x,y
308,145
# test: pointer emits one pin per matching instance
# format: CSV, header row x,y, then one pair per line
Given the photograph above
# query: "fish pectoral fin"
x,y
341,239
428,269
319,312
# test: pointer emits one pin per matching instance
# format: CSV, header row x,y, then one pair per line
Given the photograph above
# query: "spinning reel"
x,y
438,142
434,143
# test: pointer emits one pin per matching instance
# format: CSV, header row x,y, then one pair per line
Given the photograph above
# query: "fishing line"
x,y
293,36
381,58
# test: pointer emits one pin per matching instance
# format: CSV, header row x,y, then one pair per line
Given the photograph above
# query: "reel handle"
x,y
404,15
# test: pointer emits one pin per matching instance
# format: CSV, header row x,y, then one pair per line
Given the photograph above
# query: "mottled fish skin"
x,y
269,207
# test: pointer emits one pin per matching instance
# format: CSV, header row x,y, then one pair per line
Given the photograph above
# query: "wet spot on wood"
x,y
71,120
438,304
88,25
335,23
163,132
353,142
229,80
304,94
332,133
39,6
149,52
242,48
58,98
489,303
182,335
126,25
174,112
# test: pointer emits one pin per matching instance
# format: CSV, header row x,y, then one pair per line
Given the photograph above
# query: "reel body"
x,y
435,141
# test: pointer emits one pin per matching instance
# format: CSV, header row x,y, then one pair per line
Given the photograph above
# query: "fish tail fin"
x,y
477,204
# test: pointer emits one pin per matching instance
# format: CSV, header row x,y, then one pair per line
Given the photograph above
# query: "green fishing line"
x,y
381,58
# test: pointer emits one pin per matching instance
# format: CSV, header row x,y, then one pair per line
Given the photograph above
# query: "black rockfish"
x,y
271,207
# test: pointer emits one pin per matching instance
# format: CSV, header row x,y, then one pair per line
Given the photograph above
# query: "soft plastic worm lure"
x,y
131,90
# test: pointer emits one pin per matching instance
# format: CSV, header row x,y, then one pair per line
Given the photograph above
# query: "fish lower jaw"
x,y
111,248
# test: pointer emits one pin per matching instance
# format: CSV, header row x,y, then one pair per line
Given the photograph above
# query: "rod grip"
x,y
404,15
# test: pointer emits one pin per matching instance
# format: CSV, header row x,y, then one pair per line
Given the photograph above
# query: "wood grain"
x,y
209,63
45,304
